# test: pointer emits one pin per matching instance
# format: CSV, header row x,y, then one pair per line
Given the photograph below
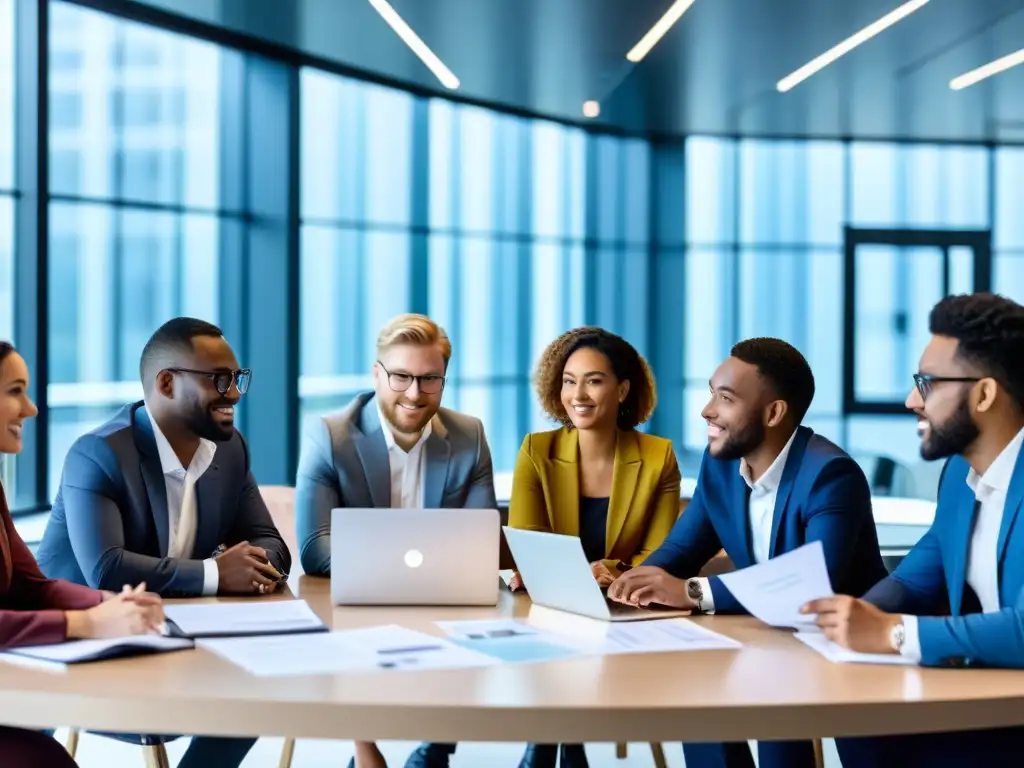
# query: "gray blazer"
x,y
110,526
344,463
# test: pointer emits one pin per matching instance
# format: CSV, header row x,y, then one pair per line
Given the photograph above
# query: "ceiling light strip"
x,y
655,33
992,68
858,38
416,45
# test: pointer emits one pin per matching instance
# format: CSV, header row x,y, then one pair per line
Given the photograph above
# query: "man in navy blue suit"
x,y
957,599
767,486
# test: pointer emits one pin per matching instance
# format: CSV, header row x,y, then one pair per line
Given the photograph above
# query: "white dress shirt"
x,y
760,513
182,512
982,571
408,468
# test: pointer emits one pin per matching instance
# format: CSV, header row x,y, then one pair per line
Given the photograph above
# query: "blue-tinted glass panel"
x,y
559,180
353,282
791,192
356,150
622,288
7,269
710,190
6,94
1008,227
708,332
465,288
798,296
1008,277
903,185
126,128
115,275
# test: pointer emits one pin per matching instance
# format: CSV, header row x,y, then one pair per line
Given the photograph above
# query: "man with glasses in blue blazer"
x,y
957,598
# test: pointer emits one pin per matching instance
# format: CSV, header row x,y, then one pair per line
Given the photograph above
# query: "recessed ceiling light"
x,y
661,26
822,61
416,45
992,68
591,108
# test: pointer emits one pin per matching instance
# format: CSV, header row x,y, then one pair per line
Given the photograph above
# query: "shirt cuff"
x,y
211,577
911,640
707,602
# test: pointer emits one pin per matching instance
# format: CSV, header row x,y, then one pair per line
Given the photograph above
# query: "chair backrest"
x,y
280,501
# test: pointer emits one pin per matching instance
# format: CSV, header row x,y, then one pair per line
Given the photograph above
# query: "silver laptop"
x,y
414,556
556,574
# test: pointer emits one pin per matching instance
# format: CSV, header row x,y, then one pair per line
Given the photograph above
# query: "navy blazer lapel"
x,y
740,509
208,508
373,455
153,477
1014,496
963,525
438,455
786,483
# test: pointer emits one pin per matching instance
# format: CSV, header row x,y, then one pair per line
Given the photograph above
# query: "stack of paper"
x,y
263,617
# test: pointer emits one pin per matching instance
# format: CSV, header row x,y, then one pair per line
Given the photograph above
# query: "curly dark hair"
x,y
627,365
785,369
989,330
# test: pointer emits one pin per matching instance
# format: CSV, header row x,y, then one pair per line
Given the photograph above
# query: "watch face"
x,y
694,590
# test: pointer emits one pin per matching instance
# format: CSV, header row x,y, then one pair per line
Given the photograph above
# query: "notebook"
x,y
242,619
58,655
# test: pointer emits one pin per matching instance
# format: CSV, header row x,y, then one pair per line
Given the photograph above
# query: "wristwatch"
x,y
695,592
897,636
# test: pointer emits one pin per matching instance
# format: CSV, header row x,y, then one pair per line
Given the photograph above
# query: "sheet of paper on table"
x,y
508,640
774,590
252,617
352,650
840,655
588,636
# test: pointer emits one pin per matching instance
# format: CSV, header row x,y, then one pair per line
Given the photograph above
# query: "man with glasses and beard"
x,y
394,446
163,494
957,598
767,486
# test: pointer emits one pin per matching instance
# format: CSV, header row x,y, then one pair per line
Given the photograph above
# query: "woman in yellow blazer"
x,y
596,477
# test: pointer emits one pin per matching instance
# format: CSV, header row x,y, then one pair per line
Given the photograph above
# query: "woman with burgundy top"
x,y
35,610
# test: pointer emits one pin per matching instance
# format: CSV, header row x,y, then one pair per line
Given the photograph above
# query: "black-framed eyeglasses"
x,y
429,384
925,382
222,380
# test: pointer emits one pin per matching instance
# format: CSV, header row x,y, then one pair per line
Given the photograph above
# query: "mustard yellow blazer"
x,y
644,502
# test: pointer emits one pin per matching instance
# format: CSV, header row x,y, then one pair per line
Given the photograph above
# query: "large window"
x,y
472,217
134,198
764,222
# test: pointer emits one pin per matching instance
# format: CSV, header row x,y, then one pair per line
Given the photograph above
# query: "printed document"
x,y
585,636
840,655
271,617
352,650
774,590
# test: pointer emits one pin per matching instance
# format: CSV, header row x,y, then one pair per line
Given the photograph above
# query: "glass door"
x,y
893,279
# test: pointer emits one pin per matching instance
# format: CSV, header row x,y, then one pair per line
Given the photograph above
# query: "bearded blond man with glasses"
x,y
394,446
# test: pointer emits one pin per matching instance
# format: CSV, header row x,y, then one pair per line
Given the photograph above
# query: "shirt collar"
x,y
770,480
389,436
169,461
997,476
